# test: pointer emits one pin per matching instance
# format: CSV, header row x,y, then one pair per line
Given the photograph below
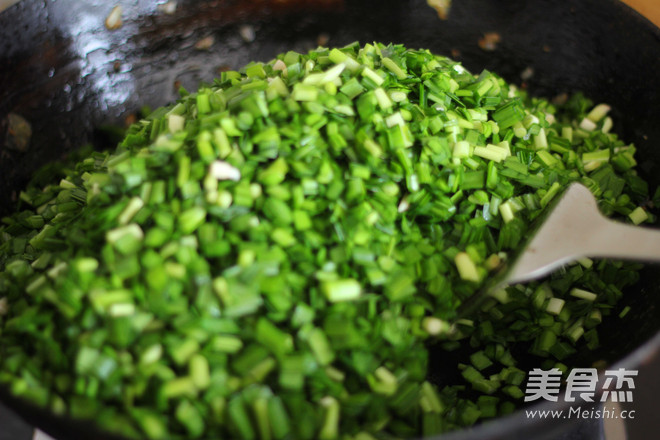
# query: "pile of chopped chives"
x,y
271,257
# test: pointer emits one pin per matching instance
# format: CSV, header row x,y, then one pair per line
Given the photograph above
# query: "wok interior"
x,y
67,84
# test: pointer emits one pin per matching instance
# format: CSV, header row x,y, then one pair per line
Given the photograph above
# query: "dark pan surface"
x,y
67,75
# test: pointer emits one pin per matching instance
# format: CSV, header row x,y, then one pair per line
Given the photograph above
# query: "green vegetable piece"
x,y
342,290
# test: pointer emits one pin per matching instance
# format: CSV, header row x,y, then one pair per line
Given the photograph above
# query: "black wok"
x,y
68,76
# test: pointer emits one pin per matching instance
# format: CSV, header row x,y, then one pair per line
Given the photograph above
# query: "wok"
x,y
69,76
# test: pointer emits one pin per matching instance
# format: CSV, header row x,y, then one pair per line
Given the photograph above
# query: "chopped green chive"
x,y
273,256
583,294
466,267
638,215
341,290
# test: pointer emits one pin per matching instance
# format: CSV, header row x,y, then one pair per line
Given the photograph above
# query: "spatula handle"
x,y
622,241
574,229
